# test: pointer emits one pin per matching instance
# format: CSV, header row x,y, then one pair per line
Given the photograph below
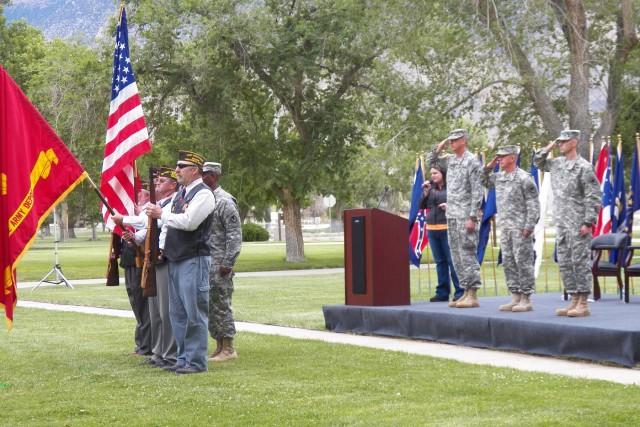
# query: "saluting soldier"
x,y
577,196
518,211
464,198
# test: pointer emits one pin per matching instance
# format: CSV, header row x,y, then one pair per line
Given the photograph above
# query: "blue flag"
x,y
489,210
633,201
619,206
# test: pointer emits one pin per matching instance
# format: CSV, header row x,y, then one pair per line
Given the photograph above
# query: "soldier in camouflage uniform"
x,y
577,195
519,211
464,198
226,239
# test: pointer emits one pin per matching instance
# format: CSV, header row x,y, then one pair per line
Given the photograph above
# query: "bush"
x,y
254,233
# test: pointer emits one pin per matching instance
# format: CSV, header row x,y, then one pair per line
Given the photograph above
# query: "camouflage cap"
x,y
212,167
191,157
457,134
508,149
167,172
568,134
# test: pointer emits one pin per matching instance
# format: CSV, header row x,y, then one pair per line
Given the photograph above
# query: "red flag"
x,y
127,136
37,171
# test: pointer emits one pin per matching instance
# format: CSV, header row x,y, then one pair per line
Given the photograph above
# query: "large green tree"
x,y
70,85
534,67
299,67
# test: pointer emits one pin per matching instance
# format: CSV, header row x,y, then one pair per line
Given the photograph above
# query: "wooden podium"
x,y
376,258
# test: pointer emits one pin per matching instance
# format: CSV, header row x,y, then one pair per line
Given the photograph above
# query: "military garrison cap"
x,y
212,167
508,149
144,185
457,134
566,135
167,172
191,157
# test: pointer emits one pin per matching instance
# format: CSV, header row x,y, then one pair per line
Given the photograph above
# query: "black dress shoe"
x,y
436,299
163,364
173,368
148,361
188,370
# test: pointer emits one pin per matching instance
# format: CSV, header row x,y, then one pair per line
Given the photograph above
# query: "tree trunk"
x,y
63,222
71,231
293,228
518,58
626,42
578,100
94,232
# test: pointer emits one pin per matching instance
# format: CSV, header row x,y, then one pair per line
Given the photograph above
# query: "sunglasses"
x,y
183,165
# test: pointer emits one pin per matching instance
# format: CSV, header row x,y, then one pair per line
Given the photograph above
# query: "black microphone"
x,y
386,188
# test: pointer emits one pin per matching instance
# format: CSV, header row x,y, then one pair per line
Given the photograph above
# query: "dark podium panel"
x,y
376,258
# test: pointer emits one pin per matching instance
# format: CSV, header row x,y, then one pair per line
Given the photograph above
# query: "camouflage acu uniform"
x,y
226,239
464,198
577,196
518,210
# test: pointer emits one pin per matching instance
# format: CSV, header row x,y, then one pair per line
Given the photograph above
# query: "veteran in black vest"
x,y
186,247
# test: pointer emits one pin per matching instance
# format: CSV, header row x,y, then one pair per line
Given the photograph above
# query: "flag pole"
x,y
493,257
101,196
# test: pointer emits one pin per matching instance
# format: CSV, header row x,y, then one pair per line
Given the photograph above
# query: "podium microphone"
x,y
386,188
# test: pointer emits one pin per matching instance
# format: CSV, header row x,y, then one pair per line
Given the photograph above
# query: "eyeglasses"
x,y
183,165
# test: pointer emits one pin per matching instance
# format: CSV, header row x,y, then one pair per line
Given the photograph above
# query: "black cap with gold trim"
x,y
167,172
191,157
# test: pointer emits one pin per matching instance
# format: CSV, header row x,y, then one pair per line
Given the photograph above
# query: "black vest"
x,y
182,244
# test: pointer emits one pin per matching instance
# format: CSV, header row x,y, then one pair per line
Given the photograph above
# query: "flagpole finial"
x,y
120,13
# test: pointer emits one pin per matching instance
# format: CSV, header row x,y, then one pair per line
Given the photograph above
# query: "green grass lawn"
x,y
83,259
75,370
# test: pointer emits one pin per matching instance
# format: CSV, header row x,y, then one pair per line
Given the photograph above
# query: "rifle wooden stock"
x,y
151,246
115,250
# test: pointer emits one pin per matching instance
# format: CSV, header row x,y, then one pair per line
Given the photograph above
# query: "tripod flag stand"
x,y
56,266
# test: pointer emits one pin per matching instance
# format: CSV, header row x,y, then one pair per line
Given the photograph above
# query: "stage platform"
x,y
611,333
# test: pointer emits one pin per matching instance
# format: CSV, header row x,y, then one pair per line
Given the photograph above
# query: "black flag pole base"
x,y
59,278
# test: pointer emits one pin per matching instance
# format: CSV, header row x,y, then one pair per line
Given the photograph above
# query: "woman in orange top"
x,y
434,198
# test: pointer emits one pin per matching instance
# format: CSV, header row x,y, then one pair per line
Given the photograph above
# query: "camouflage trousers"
x,y
464,248
517,260
221,323
573,260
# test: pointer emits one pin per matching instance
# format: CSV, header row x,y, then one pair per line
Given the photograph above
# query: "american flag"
x,y
127,136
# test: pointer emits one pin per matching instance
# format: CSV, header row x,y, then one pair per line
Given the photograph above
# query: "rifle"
x,y
115,250
151,246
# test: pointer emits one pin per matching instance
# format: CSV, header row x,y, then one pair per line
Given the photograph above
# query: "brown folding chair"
x,y
600,267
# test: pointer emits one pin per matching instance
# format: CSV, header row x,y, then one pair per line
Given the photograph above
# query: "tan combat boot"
x,y
515,299
471,301
574,304
217,350
227,353
582,309
523,305
462,298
